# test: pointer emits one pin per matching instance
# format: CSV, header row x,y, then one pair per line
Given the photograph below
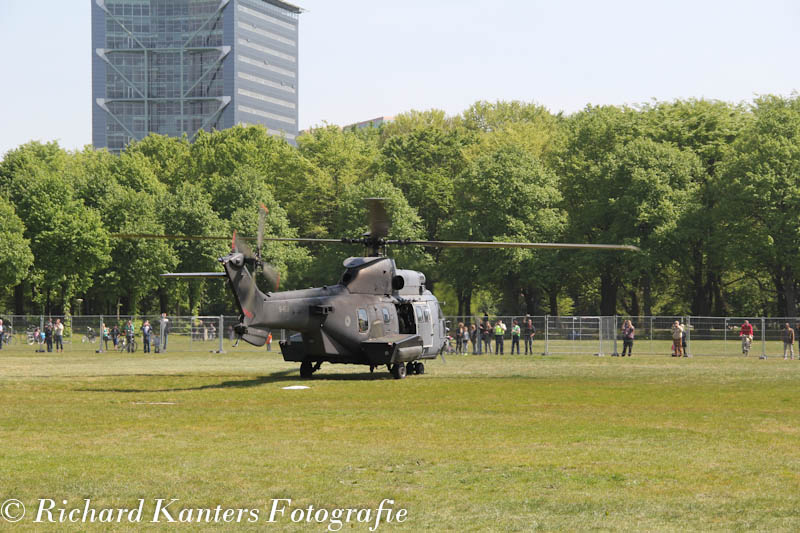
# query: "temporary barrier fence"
x,y
598,335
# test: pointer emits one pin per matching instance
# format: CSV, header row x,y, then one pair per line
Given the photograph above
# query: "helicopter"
x,y
376,314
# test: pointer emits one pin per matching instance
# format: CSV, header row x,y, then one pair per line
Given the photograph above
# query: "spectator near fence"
x,y
486,335
516,332
58,333
163,331
48,335
528,333
146,331
746,333
628,332
677,339
2,333
498,337
787,335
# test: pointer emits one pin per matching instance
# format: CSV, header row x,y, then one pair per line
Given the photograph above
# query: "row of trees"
x,y
709,190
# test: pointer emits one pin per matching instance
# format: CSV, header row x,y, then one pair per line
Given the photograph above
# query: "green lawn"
x,y
518,443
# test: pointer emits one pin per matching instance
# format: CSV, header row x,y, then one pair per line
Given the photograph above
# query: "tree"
x,y
504,195
621,190
762,201
15,251
188,211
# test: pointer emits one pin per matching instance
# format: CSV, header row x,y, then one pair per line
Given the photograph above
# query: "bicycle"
x,y
90,336
122,344
747,341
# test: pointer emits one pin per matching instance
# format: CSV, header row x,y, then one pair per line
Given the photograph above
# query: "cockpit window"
x,y
427,315
386,317
420,316
363,321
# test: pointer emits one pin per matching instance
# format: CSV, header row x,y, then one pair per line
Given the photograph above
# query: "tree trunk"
x,y
648,296
608,294
553,297
635,303
790,307
19,299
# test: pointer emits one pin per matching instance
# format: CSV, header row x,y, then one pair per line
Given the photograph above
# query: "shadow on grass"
x,y
286,376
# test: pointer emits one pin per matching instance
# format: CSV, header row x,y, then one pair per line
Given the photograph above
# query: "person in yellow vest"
x,y
498,337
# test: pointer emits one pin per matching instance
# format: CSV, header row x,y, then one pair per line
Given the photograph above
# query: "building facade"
x,y
176,67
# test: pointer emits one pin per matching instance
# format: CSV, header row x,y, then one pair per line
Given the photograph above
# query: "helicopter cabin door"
x,y
422,315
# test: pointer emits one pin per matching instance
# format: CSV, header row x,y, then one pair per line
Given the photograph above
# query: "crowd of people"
x,y
482,334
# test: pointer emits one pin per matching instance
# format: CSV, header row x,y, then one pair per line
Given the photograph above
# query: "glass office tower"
x,y
175,67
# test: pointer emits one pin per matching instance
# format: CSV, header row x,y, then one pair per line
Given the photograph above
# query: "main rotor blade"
x,y
194,275
305,239
554,245
170,237
378,218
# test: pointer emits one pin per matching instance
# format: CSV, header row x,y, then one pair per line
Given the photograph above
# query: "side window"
x,y
420,317
386,317
427,315
363,321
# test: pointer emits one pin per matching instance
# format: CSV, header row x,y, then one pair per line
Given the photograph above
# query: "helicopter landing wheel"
x,y
419,368
399,371
306,369
411,368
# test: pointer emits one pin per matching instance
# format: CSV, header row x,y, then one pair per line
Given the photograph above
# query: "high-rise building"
x,y
176,67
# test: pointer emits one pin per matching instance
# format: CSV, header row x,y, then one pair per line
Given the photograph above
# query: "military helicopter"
x,y
376,314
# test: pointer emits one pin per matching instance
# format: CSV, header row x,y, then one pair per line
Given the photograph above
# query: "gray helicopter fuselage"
x,y
376,314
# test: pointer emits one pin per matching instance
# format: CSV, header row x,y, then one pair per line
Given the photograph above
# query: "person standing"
x,y
163,331
48,335
628,332
104,331
459,337
498,337
788,341
487,337
479,338
115,335
746,333
129,336
473,337
147,330
465,340
528,331
58,334
516,333
269,341
2,334
677,339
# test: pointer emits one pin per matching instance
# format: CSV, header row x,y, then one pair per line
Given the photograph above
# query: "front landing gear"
x,y
398,370
307,368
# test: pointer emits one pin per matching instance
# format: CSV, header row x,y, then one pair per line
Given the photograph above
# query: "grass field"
x,y
513,443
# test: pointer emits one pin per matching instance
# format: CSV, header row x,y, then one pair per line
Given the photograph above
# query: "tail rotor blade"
x,y
262,216
272,275
242,246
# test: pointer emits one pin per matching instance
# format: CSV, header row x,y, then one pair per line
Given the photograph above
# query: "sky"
x,y
361,59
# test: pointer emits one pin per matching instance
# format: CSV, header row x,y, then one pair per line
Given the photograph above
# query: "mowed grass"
x,y
479,443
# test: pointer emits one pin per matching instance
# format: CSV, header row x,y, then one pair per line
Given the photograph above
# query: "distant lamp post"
x,y
119,304
80,304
